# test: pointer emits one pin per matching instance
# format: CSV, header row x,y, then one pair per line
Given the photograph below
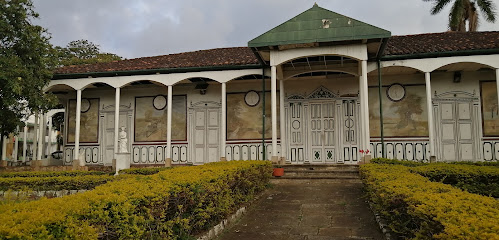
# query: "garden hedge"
x,y
51,174
54,183
174,204
482,180
417,208
143,171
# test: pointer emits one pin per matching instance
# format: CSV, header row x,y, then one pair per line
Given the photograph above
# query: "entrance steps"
x,y
315,171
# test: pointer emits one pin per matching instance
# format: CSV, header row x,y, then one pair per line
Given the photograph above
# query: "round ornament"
x,y
395,92
85,105
159,102
252,98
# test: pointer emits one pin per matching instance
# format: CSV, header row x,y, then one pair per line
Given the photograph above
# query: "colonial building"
x,y
319,88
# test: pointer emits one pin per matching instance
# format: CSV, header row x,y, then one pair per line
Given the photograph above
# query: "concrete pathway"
x,y
309,210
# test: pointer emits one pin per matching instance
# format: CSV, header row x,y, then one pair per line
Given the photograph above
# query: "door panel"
x,y
456,131
322,132
206,135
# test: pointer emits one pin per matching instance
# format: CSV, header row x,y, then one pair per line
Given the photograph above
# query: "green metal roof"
x,y
308,27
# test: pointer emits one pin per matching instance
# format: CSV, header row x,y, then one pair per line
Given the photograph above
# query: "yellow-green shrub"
x,y
482,180
51,174
417,208
143,171
54,183
169,205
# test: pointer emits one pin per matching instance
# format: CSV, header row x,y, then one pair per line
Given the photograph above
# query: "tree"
x,y
83,52
26,62
465,11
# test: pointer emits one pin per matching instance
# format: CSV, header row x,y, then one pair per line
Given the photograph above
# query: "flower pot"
x,y
278,172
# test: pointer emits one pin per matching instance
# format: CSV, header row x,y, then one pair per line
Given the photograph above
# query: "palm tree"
x,y
463,11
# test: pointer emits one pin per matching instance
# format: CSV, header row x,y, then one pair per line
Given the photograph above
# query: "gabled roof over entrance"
x,y
318,25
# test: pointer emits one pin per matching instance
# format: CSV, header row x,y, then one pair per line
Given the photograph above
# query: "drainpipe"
x,y
263,114
384,41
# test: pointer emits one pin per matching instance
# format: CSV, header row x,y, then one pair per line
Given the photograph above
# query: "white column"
x,y
4,148
273,86
15,153
169,124
44,138
41,135
431,130
34,149
50,127
116,120
25,140
77,128
361,117
223,126
282,121
365,100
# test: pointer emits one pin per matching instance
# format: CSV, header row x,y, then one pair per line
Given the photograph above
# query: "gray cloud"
x,y
135,28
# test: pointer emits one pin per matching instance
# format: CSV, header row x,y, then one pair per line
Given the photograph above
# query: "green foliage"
x,y
143,171
465,12
51,173
173,204
83,52
482,180
54,183
417,208
26,61
397,162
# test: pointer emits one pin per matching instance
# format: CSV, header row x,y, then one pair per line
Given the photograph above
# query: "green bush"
x,y
408,163
417,208
143,171
174,204
51,174
482,180
54,183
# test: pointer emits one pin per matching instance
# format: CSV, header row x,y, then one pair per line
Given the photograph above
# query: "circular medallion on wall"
x,y
252,98
395,92
85,105
159,102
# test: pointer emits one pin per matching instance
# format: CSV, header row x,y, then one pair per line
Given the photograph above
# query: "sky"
x,y
141,28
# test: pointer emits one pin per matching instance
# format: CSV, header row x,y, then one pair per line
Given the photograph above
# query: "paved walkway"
x,y
309,210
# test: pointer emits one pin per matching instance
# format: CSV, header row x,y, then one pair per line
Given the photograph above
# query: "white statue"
x,y
123,141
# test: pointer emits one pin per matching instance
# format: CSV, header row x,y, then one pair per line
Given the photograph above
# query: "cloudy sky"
x,y
137,28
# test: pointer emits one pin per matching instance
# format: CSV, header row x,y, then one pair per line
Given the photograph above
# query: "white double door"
x,y
322,125
456,131
206,135
107,154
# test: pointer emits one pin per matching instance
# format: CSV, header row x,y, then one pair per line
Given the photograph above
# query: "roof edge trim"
x,y
154,71
441,54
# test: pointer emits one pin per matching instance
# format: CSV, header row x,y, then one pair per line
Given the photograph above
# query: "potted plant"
x,y
278,171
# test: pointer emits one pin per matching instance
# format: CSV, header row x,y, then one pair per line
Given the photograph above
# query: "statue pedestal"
x,y
122,161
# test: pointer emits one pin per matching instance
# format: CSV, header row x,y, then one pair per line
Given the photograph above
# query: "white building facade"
x,y
320,88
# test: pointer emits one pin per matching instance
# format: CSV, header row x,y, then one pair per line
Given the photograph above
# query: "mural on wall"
x,y
244,116
490,111
89,120
151,117
407,116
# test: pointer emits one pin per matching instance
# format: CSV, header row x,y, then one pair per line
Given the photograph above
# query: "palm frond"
x,y
488,9
438,5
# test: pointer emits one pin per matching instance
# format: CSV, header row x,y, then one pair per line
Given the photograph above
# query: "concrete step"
x,y
319,177
316,171
321,173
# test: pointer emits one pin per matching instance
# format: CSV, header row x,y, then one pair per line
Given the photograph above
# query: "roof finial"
x,y
315,4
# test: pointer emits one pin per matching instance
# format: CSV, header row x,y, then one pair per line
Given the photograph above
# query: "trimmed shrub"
x,y
54,183
143,171
482,180
51,174
408,163
417,208
174,204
